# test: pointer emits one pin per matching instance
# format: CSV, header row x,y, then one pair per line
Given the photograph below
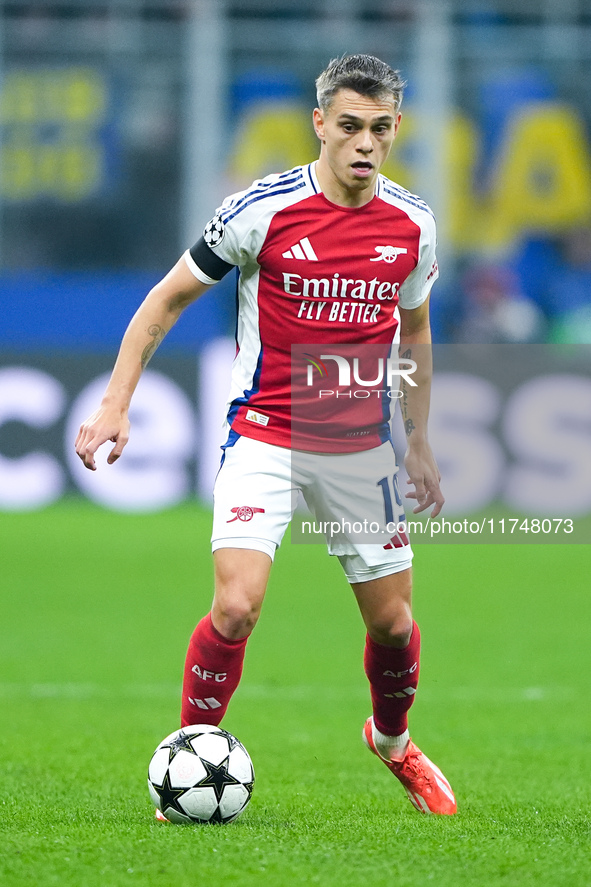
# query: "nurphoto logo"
x,y
388,371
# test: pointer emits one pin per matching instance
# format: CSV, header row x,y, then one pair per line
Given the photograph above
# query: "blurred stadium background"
x,y
123,123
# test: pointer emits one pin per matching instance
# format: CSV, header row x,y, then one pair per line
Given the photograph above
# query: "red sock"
x,y
212,672
393,676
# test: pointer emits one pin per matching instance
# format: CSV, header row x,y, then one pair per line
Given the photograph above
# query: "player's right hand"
x,y
104,424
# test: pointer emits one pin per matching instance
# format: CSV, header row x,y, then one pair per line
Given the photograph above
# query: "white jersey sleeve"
x,y
234,236
417,285
218,250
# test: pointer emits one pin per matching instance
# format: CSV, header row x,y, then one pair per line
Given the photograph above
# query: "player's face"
x,y
356,134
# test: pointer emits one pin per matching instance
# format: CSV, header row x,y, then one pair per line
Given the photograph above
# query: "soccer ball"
x,y
200,774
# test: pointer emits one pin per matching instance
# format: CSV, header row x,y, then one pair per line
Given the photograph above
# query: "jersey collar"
x,y
316,185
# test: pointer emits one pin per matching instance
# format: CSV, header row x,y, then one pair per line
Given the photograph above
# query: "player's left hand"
x,y
424,475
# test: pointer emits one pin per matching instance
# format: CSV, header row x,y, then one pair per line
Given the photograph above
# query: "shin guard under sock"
x,y
212,672
393,675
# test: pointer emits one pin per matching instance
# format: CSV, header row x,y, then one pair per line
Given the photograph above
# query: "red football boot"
x,y
424,783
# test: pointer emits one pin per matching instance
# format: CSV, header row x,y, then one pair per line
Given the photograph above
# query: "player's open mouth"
x,y
362,167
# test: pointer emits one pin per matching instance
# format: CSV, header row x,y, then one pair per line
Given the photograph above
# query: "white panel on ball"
x,y
185,770
175,816
233,800
159,765
213,747
239,765
200,803
192,729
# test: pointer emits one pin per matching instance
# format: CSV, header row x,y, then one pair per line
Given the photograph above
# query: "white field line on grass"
x,y
293,693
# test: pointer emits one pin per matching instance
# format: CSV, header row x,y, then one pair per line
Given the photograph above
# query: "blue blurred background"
x,y
124,123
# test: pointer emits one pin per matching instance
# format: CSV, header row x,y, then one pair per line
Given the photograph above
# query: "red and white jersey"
x,y
318,274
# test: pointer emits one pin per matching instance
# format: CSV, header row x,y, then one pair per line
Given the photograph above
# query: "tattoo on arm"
x,y
157,333
409,425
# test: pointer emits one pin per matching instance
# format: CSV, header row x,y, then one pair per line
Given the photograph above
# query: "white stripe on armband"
x,y
196,270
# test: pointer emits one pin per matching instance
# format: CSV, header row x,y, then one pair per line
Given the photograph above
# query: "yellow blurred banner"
x,y
540,180
52,144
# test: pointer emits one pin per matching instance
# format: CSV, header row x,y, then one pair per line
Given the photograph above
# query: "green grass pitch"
x,y
97,609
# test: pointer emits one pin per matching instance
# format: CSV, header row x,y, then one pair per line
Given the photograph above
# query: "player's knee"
x,y
235,618
392,631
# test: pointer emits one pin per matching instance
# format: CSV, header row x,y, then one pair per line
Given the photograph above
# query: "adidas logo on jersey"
x,y
301,250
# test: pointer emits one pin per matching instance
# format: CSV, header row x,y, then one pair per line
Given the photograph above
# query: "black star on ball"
x,y
232,741
182,742
169,796
217,777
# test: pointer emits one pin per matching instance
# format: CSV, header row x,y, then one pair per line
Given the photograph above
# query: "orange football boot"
x,y
426,786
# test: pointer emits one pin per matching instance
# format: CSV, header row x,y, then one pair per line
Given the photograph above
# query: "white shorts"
x,y
257,490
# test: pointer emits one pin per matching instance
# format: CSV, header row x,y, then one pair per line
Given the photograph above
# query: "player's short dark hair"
x,y
365,74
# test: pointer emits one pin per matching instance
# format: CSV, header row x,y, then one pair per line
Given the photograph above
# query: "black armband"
x,y
207,260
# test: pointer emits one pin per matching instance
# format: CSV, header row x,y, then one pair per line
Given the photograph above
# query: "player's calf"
x,y
393,675
213,669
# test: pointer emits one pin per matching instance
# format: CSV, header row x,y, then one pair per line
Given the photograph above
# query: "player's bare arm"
x,y
157,314
415,341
